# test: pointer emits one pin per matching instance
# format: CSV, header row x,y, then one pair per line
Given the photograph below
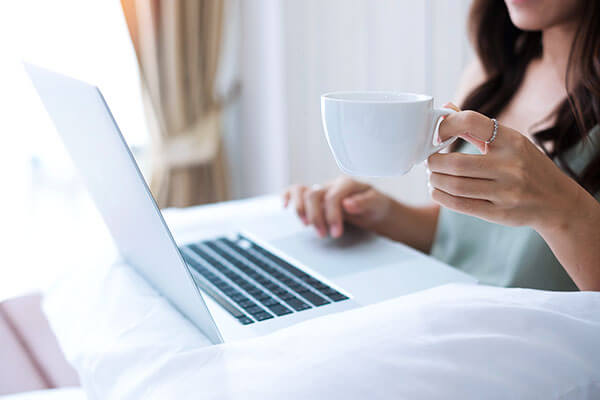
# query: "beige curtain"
x,y
178,44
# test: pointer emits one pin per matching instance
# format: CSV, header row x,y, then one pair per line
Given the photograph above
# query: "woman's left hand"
x,y
512,182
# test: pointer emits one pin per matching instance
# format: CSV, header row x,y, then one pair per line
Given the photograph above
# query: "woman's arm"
x,y
574,236
328,206
414,226
513,183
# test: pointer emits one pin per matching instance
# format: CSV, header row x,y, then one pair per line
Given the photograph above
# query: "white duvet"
x,y
451,342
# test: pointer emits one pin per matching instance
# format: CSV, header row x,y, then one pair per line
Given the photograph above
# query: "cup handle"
x,y
431,148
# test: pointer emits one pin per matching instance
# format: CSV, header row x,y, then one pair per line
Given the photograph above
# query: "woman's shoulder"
x,y
578,157
473,75
584,151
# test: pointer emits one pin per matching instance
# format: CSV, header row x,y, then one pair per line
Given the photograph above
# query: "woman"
x,y
519,211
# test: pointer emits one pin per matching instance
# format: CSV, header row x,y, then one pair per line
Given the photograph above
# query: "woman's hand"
x,y
511,183
514,183
327,207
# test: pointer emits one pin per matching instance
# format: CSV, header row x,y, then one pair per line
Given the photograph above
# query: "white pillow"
x,y
49,394
450,342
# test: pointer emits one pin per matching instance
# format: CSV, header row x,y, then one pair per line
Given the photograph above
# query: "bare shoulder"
x,y
472,76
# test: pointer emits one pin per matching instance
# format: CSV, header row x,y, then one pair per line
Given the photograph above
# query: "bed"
x,y
452,342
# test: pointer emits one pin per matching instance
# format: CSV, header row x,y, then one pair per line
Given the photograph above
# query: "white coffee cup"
x,y
381,133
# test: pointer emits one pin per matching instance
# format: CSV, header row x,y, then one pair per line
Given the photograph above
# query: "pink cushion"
x,y
16,371
30,357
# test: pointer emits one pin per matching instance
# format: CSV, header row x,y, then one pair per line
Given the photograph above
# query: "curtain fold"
x,y
178,44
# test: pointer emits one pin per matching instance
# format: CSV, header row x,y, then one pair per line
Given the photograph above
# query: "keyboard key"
x,y
270,302
238,297
338,297
265,282
254,291
253,309
245,320
246,303
287,296
314,298
334,294
278,309
297,304
263,297
261,316
296,286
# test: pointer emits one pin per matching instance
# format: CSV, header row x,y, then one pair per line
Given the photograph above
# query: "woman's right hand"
x,y
328,206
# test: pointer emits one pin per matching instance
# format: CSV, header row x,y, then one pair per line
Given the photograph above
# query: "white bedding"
x,y
451,342
70,393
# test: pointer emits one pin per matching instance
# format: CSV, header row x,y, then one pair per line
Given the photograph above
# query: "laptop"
x,y
268,275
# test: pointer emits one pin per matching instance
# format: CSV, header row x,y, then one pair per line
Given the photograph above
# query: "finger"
x,y
474,188
286,198
474,207
359,203
313,200
333,203
297,196
451,106
460,164
427,170
472,126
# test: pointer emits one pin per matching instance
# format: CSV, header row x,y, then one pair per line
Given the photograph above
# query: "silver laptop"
x,y
269,275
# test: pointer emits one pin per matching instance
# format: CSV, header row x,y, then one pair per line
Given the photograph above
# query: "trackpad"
x,y
354,252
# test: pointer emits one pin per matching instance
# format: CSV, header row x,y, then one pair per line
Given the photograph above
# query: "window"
x,y
49,223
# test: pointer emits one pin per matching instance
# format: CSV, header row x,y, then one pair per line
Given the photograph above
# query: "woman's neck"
x,y
556,45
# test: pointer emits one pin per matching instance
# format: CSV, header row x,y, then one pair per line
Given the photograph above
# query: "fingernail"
x,y
322,232
335,231
304,220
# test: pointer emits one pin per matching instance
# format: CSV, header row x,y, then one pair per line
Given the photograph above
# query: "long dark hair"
x,y
505,51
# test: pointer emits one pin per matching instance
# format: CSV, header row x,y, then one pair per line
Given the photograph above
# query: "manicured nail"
x,y
322,232
335,231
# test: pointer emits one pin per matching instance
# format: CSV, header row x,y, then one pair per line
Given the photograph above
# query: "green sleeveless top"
x,y
506,256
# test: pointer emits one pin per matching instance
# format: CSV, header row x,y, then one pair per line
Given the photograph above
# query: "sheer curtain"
x,y
178,46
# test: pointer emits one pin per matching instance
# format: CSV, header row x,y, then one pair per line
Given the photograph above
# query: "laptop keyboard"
x,y
252,283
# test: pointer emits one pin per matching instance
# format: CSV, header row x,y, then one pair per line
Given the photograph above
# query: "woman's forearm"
x,y
574,237
414,226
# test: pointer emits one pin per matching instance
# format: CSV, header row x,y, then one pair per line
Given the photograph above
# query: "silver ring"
x,y
494,133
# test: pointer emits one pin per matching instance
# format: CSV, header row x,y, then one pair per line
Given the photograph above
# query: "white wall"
x,y
294,50
263,141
